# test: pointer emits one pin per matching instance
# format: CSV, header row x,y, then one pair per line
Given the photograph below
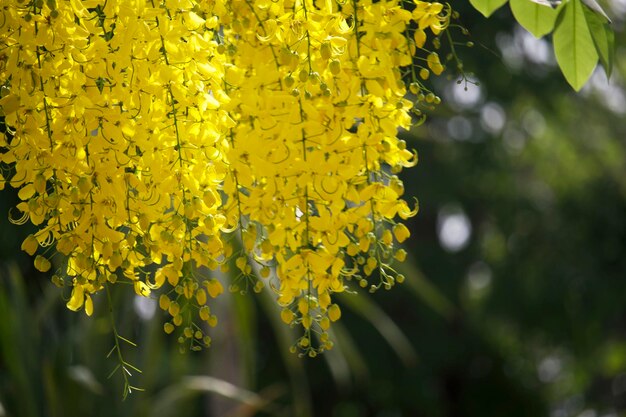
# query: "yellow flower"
x,y
214,287
42,264
157,139
77,299
201,297
205,313
9,104
30,245
88,305
164,302
434,64
429,15
334,312
401,232
141,288
286,316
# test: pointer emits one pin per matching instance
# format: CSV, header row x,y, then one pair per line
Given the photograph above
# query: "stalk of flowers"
x,y
147,137
318,95
116,144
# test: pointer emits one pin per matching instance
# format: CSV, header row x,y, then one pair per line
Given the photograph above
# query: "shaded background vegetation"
x,y
516,279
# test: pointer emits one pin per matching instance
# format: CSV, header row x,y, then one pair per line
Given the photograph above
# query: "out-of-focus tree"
x,y
516,260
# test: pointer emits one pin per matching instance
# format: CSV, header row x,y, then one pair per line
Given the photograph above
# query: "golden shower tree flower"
x,y
154,141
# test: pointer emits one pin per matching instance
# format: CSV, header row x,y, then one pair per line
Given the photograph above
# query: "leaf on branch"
x,y
487,7
534,17
573,45
550,3
596,8
603,39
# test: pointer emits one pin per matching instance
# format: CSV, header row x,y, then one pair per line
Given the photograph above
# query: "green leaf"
x,y
573,45
170,399
487,7
535,18
349,349
597,9
427,292
390,331
603,39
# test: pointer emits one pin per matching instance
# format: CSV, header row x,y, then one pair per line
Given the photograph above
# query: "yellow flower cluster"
x,y
150,138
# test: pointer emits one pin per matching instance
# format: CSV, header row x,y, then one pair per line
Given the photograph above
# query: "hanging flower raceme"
x,y
153,141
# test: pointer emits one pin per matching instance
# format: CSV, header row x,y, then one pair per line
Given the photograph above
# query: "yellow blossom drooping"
x,y
176,136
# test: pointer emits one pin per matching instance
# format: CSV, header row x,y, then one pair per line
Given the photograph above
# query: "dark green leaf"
x,y
370,311
603,39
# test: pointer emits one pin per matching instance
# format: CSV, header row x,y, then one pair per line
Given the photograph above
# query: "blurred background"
x,y
514,303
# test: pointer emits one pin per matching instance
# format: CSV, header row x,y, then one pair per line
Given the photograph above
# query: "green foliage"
x,y
603,39
573,45
581,34
535,18
487,7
